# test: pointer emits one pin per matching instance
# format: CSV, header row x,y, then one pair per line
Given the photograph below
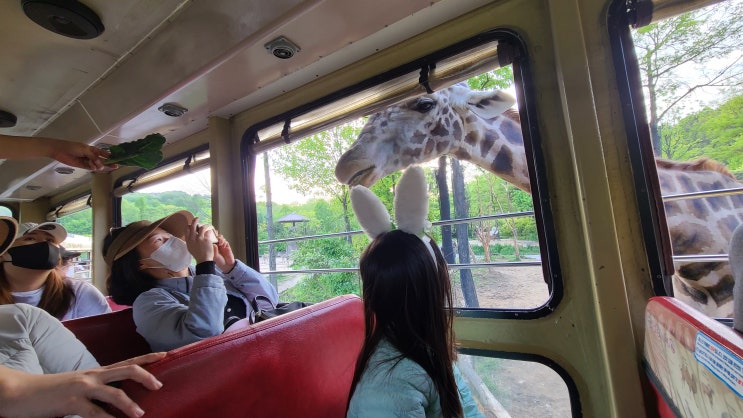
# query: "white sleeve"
x,y
88,301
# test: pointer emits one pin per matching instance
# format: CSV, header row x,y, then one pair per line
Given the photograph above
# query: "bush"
x,y
321,254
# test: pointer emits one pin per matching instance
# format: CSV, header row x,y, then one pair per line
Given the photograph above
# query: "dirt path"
x,y
525,389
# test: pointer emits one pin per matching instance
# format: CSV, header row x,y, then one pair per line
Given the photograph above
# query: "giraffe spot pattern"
x,y
487,144
418,137
718,203
439,130
429,147
411,152
696,295
462,154
699,208
456,129
673,209
690,240
665,182
441,147
696,271
471,138
723,290
512,132
728,223
503,162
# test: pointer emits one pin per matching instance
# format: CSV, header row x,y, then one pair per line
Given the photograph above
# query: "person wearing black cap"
x,y
46,371
29,275
66,266
173,305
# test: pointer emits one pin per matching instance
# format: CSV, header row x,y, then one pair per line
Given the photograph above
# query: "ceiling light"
x,y
7,119
65,17
173,109
282,47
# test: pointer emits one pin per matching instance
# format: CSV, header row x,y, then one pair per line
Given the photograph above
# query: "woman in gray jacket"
x,y
173,303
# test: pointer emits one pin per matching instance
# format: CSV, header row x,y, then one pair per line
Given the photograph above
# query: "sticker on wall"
x,y
727,366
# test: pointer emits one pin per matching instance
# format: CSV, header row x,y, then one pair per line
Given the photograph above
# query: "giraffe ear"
x,y
411,202
489,104
370,212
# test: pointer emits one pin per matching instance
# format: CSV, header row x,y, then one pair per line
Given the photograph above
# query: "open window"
x,y
678,65
494,229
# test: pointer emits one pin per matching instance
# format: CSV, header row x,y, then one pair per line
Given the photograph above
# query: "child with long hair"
x,y
405,368
28,275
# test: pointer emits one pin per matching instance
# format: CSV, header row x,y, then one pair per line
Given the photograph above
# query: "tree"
x,y
309,164
686,54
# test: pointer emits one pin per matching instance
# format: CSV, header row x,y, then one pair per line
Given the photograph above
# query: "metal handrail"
x,y
451,266
700,195
709,258
436,223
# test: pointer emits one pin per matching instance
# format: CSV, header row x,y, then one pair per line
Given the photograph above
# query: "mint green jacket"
x,y
402,389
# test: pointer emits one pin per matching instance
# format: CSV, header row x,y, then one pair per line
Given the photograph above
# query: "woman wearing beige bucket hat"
x,y
46,371
173,303
28,275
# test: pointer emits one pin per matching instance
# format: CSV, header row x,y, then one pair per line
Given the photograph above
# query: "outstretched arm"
x,y
75,154
73,393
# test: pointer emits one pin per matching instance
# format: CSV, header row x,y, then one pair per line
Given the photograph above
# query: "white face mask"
x,y
173,255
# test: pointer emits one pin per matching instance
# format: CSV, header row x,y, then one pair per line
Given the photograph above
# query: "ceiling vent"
x,y
64,170
173,109
282,47
65,17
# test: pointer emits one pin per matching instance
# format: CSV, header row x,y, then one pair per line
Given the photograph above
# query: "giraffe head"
x,y
449,121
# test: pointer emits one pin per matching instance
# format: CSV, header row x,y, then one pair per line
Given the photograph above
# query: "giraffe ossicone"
x,y
483,128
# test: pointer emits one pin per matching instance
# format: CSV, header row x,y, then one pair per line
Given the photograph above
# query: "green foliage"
x,y
499,78
153,206
715,133
683,55
79,223
145,152
320,254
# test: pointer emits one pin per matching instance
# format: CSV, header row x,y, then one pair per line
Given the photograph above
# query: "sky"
x,y
200,183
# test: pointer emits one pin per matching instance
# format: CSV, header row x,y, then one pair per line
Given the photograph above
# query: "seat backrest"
x,y
110,337
694,362
299,364
115,306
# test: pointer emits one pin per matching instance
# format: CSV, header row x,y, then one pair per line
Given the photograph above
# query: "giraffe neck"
x,y
495,145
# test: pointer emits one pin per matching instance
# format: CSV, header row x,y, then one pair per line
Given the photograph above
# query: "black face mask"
x,y
39,256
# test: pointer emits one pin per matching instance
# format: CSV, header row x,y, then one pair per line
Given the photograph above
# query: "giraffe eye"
x,y
424,105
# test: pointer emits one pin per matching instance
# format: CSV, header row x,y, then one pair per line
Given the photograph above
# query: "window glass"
x,y
5,211
191,191
515,388
79,226
691,70
494,253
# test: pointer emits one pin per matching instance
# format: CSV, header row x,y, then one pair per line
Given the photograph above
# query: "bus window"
x,y
515,388
482,212
168,189
494,252
5,211
79,226
689,65
481,208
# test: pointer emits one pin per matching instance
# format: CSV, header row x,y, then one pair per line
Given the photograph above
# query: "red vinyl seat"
x,y
299,364
110,337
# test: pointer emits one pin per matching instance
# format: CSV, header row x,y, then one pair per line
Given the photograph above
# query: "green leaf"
x,y
145,152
